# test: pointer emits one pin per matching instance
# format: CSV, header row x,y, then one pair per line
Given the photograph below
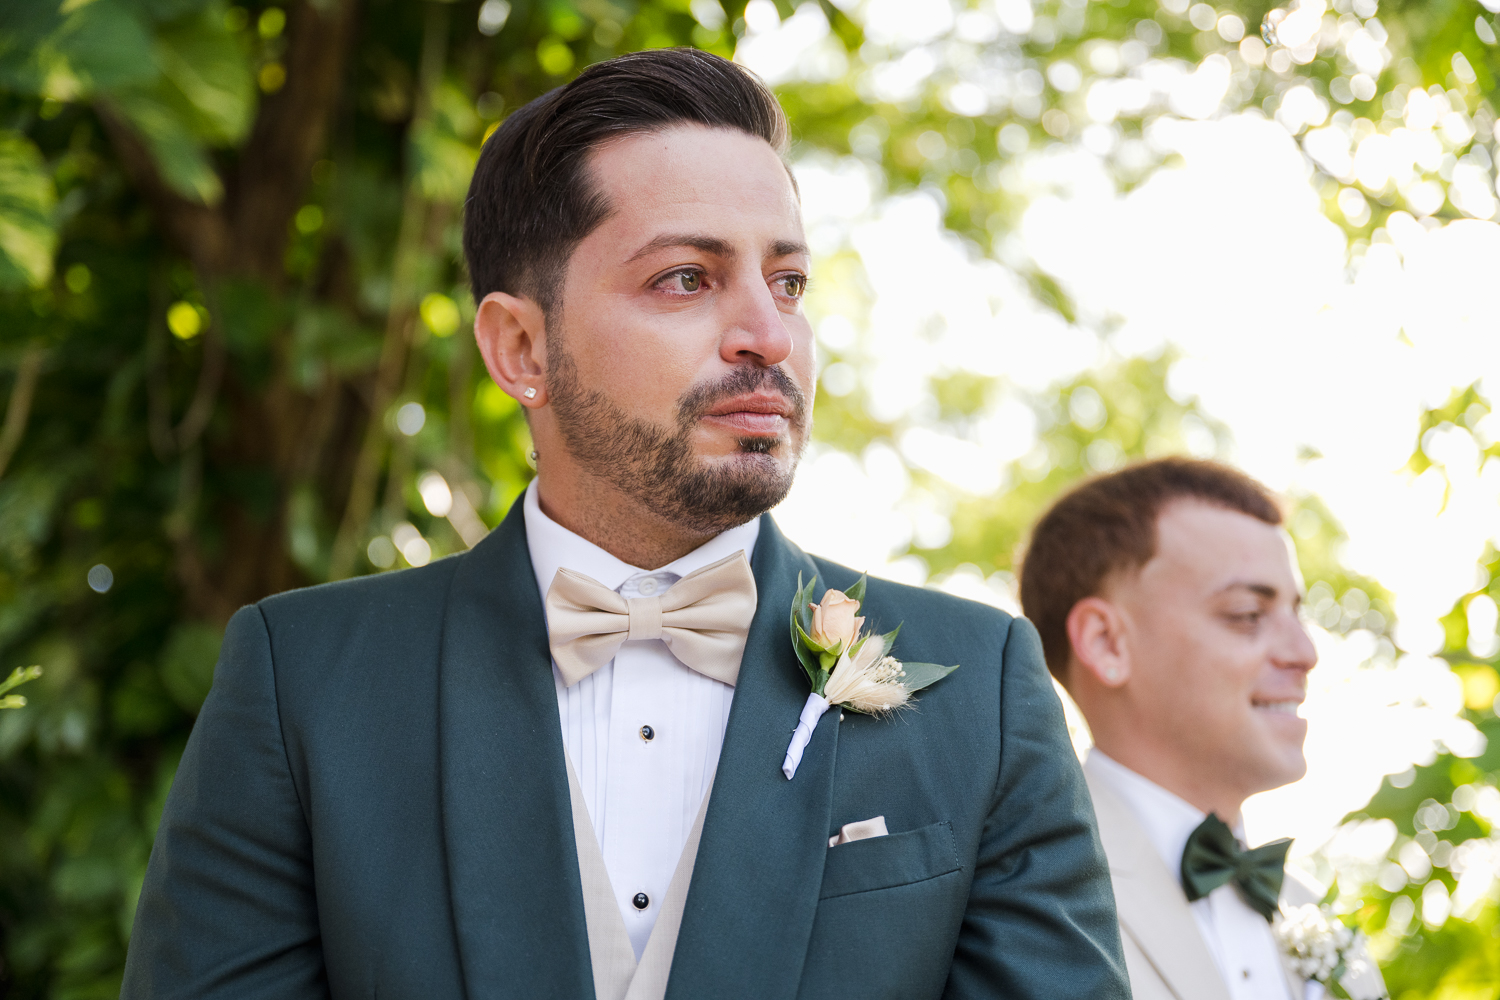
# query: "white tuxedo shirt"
x,y
1171,952
1237,937
643,795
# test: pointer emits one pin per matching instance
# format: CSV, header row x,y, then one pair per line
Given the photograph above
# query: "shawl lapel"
x,y
507,816
1153,909
754,893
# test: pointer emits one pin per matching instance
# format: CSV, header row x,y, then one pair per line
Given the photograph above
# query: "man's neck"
x,y
615,522
1182,779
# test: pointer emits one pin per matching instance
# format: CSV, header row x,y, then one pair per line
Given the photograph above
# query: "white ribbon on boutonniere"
x,y
847,668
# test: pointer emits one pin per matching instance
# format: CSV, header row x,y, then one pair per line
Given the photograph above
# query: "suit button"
x,y
648,734
641,901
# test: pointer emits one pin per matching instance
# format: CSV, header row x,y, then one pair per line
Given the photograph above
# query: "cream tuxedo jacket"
x,y
1165,954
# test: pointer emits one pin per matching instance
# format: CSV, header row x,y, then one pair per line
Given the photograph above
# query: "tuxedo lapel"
x,y
1153,909
507,817
754,892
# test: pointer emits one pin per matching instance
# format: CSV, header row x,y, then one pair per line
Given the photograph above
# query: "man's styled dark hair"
x,y
532,198
1108,526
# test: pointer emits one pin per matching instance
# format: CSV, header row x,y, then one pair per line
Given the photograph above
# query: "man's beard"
x,y
656,467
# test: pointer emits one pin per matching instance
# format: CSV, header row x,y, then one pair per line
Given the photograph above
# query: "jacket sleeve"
x,y
1041,915
228,907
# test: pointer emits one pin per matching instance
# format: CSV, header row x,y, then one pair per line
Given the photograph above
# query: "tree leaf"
x,y
28,232
103,45
207,77
178,153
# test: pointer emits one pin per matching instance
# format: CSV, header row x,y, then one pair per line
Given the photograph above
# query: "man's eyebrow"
x,y
788,248
715,246
1259,589
708,244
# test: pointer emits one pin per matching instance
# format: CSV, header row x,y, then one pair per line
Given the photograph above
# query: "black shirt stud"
x,y
648,734
641,901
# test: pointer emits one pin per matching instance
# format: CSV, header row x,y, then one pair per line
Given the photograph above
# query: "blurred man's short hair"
x,y
1107,526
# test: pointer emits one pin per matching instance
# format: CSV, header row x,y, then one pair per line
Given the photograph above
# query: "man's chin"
x,y
1282,765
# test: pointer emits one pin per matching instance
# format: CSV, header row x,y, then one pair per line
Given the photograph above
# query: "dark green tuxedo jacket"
x,y
374,804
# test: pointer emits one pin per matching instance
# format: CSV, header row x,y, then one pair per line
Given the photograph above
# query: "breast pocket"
x,y
892,860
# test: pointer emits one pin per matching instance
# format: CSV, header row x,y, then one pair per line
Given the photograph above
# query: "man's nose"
x,y
755,329
1294,647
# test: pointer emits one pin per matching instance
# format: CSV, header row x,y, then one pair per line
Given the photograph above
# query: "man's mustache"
x,y
745,379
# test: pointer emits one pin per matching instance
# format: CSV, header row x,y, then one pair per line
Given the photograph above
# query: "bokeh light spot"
x,y
412,546
271,78
101,578
492,16
554,56
436,495
309,219
440,314
382,552
410,418
272,22
185,320
78,279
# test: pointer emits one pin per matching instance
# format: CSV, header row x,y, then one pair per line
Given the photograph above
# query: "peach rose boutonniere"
x,y
847,667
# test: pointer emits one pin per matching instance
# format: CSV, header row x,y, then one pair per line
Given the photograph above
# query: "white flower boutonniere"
x,y
847,667
1318,945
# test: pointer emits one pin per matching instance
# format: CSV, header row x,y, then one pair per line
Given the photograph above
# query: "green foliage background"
x,y
230,285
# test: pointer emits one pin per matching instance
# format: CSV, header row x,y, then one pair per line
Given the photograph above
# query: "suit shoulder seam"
x,y
1007,624
276,704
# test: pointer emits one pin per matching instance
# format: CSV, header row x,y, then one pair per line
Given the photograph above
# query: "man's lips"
x,y
1282,706
754,415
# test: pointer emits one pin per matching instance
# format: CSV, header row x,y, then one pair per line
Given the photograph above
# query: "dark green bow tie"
x,y
1213,857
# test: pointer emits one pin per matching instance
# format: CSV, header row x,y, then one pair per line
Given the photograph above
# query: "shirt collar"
x,y
1166,819
554,547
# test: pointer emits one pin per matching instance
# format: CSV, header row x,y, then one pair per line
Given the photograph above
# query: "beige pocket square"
x,y
863,830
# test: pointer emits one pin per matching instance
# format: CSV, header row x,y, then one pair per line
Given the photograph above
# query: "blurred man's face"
x,y
680,364
1218,654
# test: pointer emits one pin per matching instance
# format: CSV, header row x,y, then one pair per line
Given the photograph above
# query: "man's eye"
x,y
795,285
683,281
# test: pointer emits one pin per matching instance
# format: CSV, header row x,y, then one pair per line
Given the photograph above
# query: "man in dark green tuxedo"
x,y
552,766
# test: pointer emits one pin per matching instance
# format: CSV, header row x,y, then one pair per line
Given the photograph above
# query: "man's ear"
x,y
1096,631
511,333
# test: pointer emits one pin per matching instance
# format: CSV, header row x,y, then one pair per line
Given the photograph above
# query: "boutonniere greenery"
x,y
847,667
1318,946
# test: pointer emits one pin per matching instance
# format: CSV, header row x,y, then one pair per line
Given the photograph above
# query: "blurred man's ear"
x,y
511,334
1096,632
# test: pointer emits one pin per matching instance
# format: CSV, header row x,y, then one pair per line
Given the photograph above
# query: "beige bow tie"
x,y
704,619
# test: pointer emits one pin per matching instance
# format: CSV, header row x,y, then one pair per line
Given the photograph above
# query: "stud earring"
x,y
530,393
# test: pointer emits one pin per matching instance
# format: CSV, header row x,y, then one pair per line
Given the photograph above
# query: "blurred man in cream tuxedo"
x,y
1167,603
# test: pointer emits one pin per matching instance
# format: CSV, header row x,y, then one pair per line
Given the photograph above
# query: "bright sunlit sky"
x,y
1228,257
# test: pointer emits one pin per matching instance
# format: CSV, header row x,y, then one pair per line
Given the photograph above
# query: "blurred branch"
x,y
205,599
167,441
18,410
289,135
210,376
401,317
158,405
199,231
